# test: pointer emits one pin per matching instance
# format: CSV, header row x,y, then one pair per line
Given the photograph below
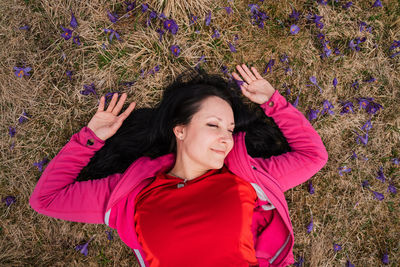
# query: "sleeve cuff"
x,y
271,101
90,139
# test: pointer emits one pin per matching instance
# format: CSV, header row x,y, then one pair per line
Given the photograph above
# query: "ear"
x,y
179,131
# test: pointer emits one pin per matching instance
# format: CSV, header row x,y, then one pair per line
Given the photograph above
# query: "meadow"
x,y
338,62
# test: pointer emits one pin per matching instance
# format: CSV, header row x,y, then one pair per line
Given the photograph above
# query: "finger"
x,y
128,111
237,77
118,107
246,93
258,76
243,73
246,69
101,105
112,103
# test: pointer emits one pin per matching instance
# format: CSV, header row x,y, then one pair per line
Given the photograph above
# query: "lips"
x,y
218,151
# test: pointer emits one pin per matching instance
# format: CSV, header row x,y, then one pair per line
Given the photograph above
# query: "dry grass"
x,y
343,212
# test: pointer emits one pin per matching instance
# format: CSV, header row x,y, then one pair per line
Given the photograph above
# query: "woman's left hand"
x,y
254,87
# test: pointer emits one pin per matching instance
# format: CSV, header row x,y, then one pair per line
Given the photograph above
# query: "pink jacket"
x,y
111,200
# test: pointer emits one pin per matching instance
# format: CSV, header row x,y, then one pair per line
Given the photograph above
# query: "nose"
x,y
226,136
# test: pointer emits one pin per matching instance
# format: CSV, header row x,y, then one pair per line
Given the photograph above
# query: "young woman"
x,y
197,181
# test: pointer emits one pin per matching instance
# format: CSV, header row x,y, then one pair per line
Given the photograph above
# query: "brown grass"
x,y
343,212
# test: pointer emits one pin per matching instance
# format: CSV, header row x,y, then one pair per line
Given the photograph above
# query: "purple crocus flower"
x,y
395,54
89,89
310,188
109,235
391,188
312,114
296,102
294,29
175,50
314,81
394,45
347,5
23,118
144,7
130,6
327,50
83,248
323,2
208,19
377,3
343,169
11,131
201,60
113,17
367,126
9,200
363,102
395,161
269,66
337,247
370,80
381,175
385,258
362,138
284,58
334,82
362,25
109,96
67,34
40,164
19,72
25,27
310,226
299,262
253,8
112,34
69,73
349,264
73,21
171,26
76,40
193,19
347,106
355,85
161,33
378,195
216,34
327,106
365,184
232,47
228,10
294,15
354,155
373,107
238,82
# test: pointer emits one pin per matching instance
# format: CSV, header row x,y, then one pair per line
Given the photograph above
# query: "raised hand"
x,y
254,87
106,123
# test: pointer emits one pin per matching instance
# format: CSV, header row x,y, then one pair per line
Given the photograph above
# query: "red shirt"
x,y
207,222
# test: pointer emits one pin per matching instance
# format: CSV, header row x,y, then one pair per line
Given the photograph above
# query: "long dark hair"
x,y
148,131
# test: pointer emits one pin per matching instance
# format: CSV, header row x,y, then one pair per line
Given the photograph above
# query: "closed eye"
x,y
212,125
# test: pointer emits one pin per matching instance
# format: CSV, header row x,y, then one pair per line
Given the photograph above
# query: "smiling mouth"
x,y
218,151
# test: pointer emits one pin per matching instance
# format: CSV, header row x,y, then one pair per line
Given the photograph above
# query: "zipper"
x,y
180,185
280,202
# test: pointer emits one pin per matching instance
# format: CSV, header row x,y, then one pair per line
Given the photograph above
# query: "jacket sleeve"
x,y
308,153
58,195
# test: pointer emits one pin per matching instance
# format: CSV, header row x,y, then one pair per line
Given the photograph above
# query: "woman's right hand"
x,y
106,123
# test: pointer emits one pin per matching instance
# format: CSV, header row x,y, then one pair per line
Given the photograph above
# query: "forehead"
x,y
215,107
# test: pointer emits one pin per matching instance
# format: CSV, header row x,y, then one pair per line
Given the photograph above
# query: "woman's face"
x,y
207,139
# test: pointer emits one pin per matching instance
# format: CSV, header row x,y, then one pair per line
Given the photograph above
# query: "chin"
x,y
217,165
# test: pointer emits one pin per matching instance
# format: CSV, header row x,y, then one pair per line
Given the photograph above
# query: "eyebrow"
x,y
219,119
